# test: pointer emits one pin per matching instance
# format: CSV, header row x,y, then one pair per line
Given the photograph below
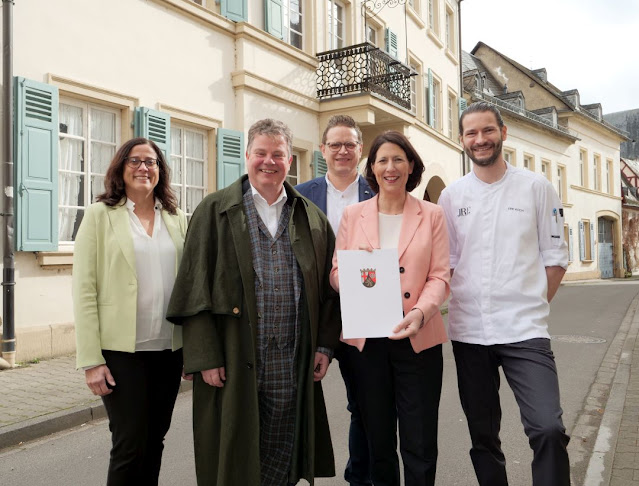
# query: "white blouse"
x,y
155,266
390,226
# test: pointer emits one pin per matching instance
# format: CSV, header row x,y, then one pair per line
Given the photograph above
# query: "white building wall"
x,y
207,72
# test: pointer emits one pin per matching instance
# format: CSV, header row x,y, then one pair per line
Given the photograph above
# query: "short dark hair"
x,y
402,142
114,179
342,121
271,128
480,107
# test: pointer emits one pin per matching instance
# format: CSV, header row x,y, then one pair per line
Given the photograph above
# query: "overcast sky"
x,y
589,45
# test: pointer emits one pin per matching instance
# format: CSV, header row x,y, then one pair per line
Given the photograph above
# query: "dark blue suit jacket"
x,y
315,190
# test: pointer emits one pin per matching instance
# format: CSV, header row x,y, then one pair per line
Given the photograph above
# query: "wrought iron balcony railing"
x,y
363,68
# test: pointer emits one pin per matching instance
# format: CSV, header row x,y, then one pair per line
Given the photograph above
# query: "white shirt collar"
x,y
258,197
130,205
351,187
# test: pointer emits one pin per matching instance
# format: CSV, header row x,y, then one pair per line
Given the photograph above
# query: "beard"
x,y
486,161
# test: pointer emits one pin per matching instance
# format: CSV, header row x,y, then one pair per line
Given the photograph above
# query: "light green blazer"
x,y
105,283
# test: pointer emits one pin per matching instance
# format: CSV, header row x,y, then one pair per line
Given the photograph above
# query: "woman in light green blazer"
x,y
126,255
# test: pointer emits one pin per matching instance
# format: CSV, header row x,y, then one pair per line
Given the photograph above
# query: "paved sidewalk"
x,y
46,397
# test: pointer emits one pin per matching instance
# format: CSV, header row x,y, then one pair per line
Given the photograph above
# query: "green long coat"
x,y
214,299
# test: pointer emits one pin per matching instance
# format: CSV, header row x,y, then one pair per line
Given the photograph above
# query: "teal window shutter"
x,y
593,235
391,42
570,244
319,164
236,10
230,156
273,18
582,242
36,165
155,126
431,100
462,105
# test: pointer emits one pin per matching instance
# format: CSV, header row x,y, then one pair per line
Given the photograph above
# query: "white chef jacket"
x,y
502,236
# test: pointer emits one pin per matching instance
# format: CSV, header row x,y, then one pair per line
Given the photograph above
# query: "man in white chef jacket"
x,y
507,258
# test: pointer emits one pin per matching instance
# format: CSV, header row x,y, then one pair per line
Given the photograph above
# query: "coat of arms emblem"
x,y
369,277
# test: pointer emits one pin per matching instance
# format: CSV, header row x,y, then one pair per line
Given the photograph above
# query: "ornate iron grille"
x,y
363,68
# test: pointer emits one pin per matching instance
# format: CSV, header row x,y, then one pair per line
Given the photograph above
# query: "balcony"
x,y
363,68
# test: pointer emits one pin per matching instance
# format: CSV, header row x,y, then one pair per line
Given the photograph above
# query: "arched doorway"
x,y
434,188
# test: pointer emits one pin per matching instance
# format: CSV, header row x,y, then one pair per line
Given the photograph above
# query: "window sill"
x,y
435,38
451,55
413,14
55,259
586,261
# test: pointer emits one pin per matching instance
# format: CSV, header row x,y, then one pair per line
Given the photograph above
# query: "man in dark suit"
x,y
341,186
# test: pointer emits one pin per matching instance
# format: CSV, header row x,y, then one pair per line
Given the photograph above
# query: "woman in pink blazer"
x,y
400,377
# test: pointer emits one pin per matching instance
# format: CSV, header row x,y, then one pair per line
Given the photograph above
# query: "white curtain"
x,y
71,158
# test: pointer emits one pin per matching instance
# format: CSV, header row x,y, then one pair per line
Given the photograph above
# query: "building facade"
x,y
194,76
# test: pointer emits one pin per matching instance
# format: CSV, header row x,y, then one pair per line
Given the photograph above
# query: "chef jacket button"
x,y
236,310
401,270
249,365
407,294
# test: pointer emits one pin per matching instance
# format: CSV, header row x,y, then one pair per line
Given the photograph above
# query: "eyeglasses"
x,y
135,163
337,146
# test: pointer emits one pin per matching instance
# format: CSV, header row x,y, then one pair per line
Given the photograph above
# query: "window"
x,y
450,30
189,155
437,116
583,160
610,179
509,156
596,171
433,16
413,88
335,24
89,136
292,11
371,34
561,182
293,175
545,170
529,162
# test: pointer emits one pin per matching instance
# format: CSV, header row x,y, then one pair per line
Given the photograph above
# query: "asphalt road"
x,y
80,456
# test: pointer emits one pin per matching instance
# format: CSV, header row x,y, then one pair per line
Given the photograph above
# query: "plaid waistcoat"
x,y
278,284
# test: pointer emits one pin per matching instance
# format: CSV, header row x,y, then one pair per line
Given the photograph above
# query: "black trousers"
x,y
393,382
357,471
140,409
529,367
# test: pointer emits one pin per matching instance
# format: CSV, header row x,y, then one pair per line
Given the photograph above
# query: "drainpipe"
x,y
461,76
8,271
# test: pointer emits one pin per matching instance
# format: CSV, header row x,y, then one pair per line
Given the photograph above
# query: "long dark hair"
x,y
402,142
114,179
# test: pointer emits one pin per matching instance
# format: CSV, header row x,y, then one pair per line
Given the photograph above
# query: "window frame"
x,y
183,185
450,38
562,186
610,176
510,156
546,167
583,167
530,159
330,35
437,104
87,106
286,23
596,172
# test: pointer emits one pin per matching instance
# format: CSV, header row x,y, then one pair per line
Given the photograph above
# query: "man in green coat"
x,y
259,324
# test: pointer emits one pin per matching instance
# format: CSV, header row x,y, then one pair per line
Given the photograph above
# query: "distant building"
x,y
628,121
552,133
630,213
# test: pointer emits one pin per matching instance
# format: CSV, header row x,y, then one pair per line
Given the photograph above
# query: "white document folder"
x,y
370,292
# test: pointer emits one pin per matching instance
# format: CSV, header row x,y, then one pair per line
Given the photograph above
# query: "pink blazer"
x,y
423,260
